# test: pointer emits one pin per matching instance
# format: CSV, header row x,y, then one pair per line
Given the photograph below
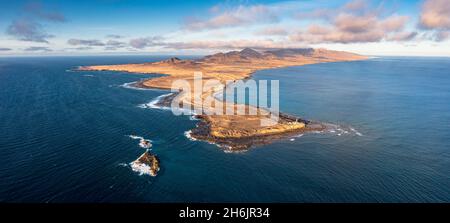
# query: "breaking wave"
x,y
295,137
339,130
154,103
355,131
141,168
188,135
144,143
132,85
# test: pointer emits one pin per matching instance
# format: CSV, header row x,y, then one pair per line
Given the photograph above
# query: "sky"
x,y
183,27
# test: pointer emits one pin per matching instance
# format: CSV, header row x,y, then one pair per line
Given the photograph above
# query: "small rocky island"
x,y
147,163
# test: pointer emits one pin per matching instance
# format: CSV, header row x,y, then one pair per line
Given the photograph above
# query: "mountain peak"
x,y
173,60
247,50
250,53
285,52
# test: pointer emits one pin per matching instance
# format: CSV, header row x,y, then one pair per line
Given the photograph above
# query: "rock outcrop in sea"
x,y
147,163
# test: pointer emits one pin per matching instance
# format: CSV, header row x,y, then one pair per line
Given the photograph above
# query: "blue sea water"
x,y
64,136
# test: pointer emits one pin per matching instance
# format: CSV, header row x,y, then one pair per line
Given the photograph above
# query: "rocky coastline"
x,y
234,132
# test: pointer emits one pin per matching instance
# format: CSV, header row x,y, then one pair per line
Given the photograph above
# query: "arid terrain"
x,y
233,132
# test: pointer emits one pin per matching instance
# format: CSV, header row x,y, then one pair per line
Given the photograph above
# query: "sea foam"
x,y
141,168
356,132
153,104
132,85
189,136
340,130
142,141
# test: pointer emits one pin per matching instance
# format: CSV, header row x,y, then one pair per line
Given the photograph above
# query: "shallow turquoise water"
x,y
64,137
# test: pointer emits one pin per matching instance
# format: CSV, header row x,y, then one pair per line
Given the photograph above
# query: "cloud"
x,y
356,5
366,23
36,9
115,43
441,36
38,48
141,43
272,31
5,49
232,44
81,48
435,15
84,48
111,48
83,42
394,23
402,36
28,28
331,35
114,36
138,43
354,23
435,18
322,13
28,31
237,16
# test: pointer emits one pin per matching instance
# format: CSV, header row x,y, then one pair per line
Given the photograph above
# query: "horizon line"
x,y
169,54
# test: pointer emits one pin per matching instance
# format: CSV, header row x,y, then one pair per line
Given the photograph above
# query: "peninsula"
x,y
233,132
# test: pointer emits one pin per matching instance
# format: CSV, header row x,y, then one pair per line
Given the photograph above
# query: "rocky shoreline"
x,y
202,131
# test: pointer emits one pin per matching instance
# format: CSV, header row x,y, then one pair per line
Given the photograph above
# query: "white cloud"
x,y
237,16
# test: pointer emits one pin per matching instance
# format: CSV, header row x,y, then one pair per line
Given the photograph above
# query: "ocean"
x,y
65,136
